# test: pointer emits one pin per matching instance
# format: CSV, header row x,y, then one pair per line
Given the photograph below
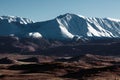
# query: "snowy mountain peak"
x,y
78,25
64,15
64,27
16,19
67,15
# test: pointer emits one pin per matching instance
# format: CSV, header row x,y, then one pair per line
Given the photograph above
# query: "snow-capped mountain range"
x,y
64,27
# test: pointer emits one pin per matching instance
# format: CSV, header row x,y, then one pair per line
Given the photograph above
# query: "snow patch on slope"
x,y
116,20
35,35
64,31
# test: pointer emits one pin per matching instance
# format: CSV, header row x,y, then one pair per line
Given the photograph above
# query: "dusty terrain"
x,y
39,67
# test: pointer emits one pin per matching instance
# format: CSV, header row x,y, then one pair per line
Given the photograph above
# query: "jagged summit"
x,y
70,15
16,19
64,27
65,15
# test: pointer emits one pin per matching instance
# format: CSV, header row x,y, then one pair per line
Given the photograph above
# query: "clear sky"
x,y
41,10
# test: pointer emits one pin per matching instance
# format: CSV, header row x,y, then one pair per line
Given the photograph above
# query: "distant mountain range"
x,y
64,27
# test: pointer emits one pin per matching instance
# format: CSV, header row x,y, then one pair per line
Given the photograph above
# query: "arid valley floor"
x,y
39,67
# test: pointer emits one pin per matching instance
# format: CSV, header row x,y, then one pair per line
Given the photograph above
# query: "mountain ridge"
x,y
64,27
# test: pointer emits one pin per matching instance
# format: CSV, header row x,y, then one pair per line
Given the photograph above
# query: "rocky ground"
x,y
39,67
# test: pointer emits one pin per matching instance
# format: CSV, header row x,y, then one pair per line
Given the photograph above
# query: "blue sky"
x,y
41,10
